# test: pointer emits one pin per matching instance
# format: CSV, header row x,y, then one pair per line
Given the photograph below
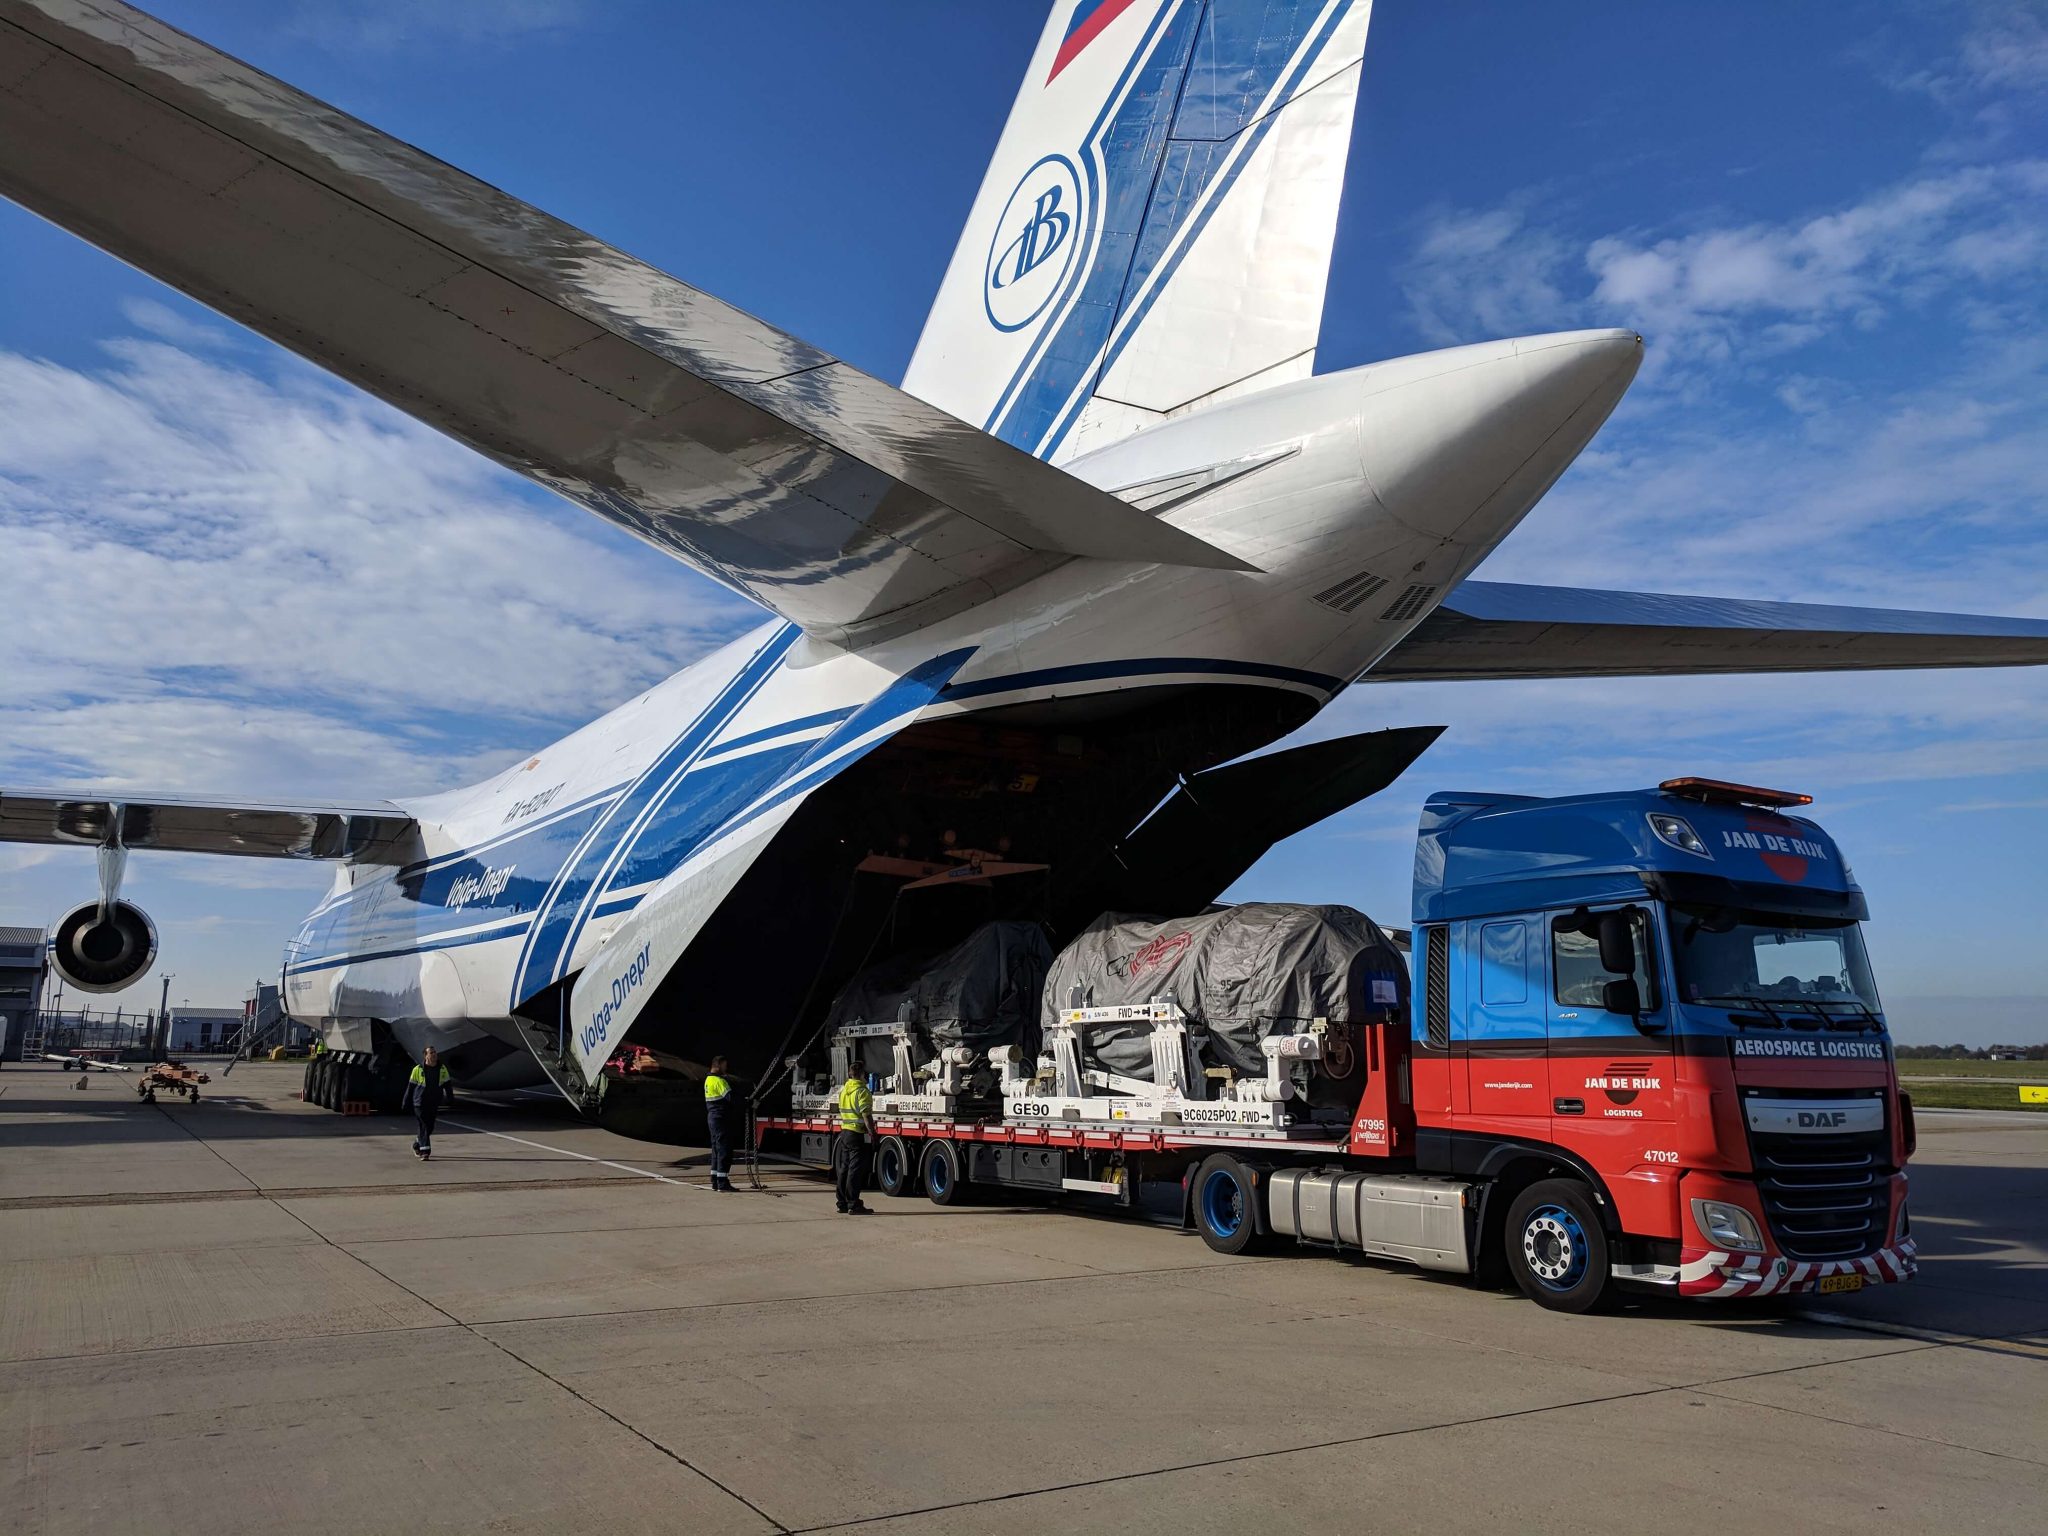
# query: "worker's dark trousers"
x,y
721,1145
424,1112
850,1175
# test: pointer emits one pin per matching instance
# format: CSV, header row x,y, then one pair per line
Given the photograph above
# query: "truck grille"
x,y
1826,1197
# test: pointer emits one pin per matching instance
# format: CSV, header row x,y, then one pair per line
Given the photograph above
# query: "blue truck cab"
x,y
1664,996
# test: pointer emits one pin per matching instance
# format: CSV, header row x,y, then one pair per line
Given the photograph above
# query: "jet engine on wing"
x,y
102,947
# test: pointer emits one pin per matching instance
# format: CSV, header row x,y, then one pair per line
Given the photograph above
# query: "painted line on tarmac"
x,y
1927,1335
541,1146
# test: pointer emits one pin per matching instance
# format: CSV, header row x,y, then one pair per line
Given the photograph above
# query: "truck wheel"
x,y
1556,1247
944,1178
1226,1200
895,1167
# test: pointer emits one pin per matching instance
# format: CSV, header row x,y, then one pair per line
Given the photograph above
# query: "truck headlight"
x,y
1729,1226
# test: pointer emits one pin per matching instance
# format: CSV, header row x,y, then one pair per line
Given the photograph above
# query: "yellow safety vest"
x,y
419,1077
855,1103
715,1088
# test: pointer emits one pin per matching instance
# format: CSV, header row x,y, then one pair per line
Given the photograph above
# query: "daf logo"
x,y
1822,1119
1035,244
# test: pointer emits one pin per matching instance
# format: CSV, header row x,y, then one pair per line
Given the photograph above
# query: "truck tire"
x,y
1556,1246
944,1179
895,1167
1226,1202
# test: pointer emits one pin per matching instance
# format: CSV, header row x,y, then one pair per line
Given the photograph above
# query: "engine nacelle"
x,y
96,956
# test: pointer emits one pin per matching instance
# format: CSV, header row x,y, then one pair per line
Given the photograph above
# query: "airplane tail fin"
x,y
1154,232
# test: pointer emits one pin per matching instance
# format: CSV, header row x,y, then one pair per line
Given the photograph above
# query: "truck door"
x,y
1507,1083
1610,1079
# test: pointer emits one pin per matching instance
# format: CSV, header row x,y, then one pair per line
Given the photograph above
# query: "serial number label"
x,y
1210,1114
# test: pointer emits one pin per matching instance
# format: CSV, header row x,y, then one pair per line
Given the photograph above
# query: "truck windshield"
x,y
1772,962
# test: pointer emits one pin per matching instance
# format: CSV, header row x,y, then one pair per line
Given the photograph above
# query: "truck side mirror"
x,y
1622,996
1617,937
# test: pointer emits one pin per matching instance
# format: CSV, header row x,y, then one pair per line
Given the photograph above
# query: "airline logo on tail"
x,y
1034,244
1133,241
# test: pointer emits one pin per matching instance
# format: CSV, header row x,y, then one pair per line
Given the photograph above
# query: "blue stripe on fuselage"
x,y
411,905
395,916
563,910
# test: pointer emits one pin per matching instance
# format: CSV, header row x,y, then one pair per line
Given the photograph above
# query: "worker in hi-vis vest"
x,y
718,1110
425,1091
856,1133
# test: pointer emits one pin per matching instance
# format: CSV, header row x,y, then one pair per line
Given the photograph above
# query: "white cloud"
x,y
2003,48
1891,248
1734,293
248,583
1481,273
167,324
240,578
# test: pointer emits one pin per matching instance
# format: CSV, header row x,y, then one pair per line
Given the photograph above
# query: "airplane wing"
x,y
831,498
1492,629
185,824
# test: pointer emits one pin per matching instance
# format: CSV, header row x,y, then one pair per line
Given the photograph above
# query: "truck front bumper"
x,y
1712,1273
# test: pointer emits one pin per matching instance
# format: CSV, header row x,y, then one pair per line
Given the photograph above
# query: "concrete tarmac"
x,y
250,1315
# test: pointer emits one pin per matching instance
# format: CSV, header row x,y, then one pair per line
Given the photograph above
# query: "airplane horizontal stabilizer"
x,y
1492,629
189,824
830,497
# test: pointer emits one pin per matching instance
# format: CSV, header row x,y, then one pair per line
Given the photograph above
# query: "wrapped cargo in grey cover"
x,y
1242,972
982,992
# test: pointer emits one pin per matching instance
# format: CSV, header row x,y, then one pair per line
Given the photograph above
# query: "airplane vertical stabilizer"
x,y
1154,232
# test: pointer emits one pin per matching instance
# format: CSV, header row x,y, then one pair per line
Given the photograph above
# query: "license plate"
x,y
1841,1283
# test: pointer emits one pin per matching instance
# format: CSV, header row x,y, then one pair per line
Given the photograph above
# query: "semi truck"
x,y
1641,1049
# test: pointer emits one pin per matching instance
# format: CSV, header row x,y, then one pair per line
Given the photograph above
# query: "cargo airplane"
x,y
1027,611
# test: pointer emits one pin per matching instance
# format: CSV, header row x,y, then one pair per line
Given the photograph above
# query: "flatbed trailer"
x,y
1247,1162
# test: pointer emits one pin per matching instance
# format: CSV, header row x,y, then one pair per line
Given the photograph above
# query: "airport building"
x,y
23,962
201,1029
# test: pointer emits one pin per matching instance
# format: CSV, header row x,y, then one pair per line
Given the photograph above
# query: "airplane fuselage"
x,y
1361,498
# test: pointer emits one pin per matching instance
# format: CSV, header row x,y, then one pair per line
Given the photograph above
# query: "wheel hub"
x,y
1554,1247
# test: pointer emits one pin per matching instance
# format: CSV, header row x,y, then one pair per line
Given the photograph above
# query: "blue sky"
x,y
232,575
